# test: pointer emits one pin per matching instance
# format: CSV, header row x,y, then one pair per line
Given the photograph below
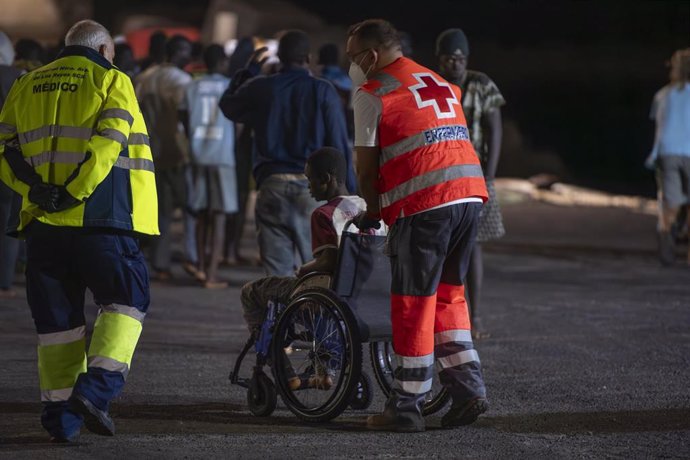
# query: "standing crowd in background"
x,y
208,133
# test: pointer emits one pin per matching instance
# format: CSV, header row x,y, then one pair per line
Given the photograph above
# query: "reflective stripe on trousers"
x,y
413,374
454,348
61,358
453,351
429,315
115,336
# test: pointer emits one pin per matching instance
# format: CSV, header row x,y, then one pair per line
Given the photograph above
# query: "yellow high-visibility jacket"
x,y
78,124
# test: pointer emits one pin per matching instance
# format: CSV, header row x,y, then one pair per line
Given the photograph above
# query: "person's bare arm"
x,y
183,116
367,177
493,126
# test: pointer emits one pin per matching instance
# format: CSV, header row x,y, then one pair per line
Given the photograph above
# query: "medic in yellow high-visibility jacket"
x,y
74,146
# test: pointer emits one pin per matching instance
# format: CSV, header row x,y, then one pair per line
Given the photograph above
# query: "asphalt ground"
x,y
589,357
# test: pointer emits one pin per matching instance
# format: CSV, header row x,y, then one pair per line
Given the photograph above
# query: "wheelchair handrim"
x,y
349,370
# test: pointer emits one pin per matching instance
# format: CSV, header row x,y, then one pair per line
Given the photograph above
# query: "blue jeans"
x,y
283,220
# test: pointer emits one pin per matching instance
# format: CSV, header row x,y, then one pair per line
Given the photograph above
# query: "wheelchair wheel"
x,y
364,393
317,355
261,396
382,361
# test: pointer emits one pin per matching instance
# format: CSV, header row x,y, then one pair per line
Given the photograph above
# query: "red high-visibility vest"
x,y
427,159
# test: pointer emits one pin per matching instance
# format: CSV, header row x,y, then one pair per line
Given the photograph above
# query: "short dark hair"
x,y
157,42
124,57
173,45
328,54
28,49
213,54
376,33
328,160
293,47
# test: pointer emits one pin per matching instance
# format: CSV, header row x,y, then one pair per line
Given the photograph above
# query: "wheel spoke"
x,y
321,356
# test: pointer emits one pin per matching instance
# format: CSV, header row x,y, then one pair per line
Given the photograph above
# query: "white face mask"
x,y
357,75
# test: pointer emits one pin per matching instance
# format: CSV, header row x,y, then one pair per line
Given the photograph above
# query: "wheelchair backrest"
x,y
363,280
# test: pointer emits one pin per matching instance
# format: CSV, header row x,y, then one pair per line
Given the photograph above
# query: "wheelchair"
x,y
313,344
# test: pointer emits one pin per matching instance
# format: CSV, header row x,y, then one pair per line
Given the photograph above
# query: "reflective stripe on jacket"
x,y
427,158
78,124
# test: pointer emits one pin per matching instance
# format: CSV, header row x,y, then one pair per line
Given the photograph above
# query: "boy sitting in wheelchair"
x,y
326,171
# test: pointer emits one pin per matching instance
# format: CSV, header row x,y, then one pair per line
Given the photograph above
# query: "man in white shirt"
x,y
160,90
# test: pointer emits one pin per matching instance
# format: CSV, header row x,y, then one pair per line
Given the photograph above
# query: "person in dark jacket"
x,y
292,114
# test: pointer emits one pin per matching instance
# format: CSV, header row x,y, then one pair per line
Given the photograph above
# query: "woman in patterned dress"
x,y
481,104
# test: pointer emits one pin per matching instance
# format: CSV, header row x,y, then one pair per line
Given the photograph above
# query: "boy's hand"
x,y
301,271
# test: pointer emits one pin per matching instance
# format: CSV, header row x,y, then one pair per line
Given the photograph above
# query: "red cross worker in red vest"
x,y
418,172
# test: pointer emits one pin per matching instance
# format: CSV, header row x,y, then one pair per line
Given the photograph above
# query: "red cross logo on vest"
x,y
430,92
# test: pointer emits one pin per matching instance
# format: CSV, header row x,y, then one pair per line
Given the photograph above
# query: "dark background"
x,y
579,76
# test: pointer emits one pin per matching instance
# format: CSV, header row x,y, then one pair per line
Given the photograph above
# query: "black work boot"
x,y
402,413
96,421
464,413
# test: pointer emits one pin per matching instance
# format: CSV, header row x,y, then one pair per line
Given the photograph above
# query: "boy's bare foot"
x,y
319,382
294,383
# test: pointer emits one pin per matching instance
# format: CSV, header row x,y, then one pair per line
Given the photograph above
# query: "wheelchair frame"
x,y
357,391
